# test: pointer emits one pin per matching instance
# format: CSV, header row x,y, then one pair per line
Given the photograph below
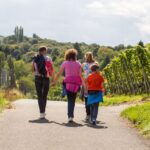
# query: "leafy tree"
x,y
12,72
19,34
2,59
119,47
141,43
80,53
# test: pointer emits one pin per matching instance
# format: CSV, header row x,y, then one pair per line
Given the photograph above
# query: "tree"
x,y
19,34
2,60
119,47
16,32
80,53
12,72
141,43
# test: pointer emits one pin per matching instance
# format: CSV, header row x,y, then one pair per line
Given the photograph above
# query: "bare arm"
x,y
53,75
81,76
59,74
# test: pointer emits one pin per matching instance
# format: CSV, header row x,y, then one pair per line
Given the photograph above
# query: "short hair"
x,y
42,49
71,54
95,67
89,57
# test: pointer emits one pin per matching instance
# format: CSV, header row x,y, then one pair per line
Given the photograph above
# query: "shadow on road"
x,y
98,122
97,126
73,124
40,121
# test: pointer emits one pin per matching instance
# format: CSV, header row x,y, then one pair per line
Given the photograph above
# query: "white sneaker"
x,y
70,120
42,115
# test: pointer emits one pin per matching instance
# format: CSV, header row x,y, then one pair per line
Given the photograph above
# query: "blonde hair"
x,y
71,54
89,57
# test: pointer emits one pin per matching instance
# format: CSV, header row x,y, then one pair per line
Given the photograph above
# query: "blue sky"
x,y
106,22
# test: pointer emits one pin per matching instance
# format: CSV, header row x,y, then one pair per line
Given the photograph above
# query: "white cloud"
x,y
117,7
138,10
107,22
144,26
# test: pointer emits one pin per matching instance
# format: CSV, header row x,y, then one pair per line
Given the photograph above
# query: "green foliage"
x,y
129,73
12,72
80,53
110,100
140,116
21,68
26,85
18,34
22,49
3,101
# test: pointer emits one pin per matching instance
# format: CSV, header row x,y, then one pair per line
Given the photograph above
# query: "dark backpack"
x,y
40,61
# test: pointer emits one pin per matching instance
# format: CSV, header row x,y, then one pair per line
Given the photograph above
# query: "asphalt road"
x,y
20,129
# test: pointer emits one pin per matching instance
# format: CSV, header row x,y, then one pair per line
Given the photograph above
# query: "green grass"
x,y
140,116
3,102
120,99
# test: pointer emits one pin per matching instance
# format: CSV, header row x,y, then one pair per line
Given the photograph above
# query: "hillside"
x,y
17,50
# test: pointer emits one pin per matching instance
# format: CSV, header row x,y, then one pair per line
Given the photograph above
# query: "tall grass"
x,y
3,102
13,94
6,96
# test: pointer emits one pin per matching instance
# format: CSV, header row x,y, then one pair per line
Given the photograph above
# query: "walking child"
x,y
95,91
43,69
89,60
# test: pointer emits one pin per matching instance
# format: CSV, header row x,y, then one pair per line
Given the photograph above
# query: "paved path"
x,y
20,131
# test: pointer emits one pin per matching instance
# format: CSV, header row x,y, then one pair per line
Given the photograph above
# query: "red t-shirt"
x,y
95,82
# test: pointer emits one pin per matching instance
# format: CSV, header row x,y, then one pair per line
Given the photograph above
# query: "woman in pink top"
x,y
73,79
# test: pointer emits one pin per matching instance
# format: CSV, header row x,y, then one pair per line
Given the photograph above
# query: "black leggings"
x,y
87,107
42,88
71,103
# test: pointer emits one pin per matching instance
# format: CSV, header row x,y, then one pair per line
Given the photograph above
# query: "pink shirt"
x,y
71,68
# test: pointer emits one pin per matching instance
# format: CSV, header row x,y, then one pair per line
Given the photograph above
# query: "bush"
x,y
26,84
13,94
3,102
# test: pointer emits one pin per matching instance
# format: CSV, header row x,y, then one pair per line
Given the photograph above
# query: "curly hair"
x,y
71,54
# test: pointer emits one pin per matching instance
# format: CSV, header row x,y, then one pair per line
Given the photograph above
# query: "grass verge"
x,y
7,96
120,99
3,102
140,116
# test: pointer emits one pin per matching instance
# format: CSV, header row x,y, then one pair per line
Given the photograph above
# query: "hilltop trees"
x,y
80,52
19,34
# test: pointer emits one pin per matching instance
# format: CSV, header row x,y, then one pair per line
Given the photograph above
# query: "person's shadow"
x,y
100,125
44,120
73,124
97,126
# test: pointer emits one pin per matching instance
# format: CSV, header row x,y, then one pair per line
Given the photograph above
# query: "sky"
x,y
105,22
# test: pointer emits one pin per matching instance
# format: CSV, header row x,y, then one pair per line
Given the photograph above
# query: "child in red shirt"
x,y
95,91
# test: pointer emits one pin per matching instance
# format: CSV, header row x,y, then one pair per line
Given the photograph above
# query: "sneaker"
x,y
87,118
42,115
70,120
94,123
